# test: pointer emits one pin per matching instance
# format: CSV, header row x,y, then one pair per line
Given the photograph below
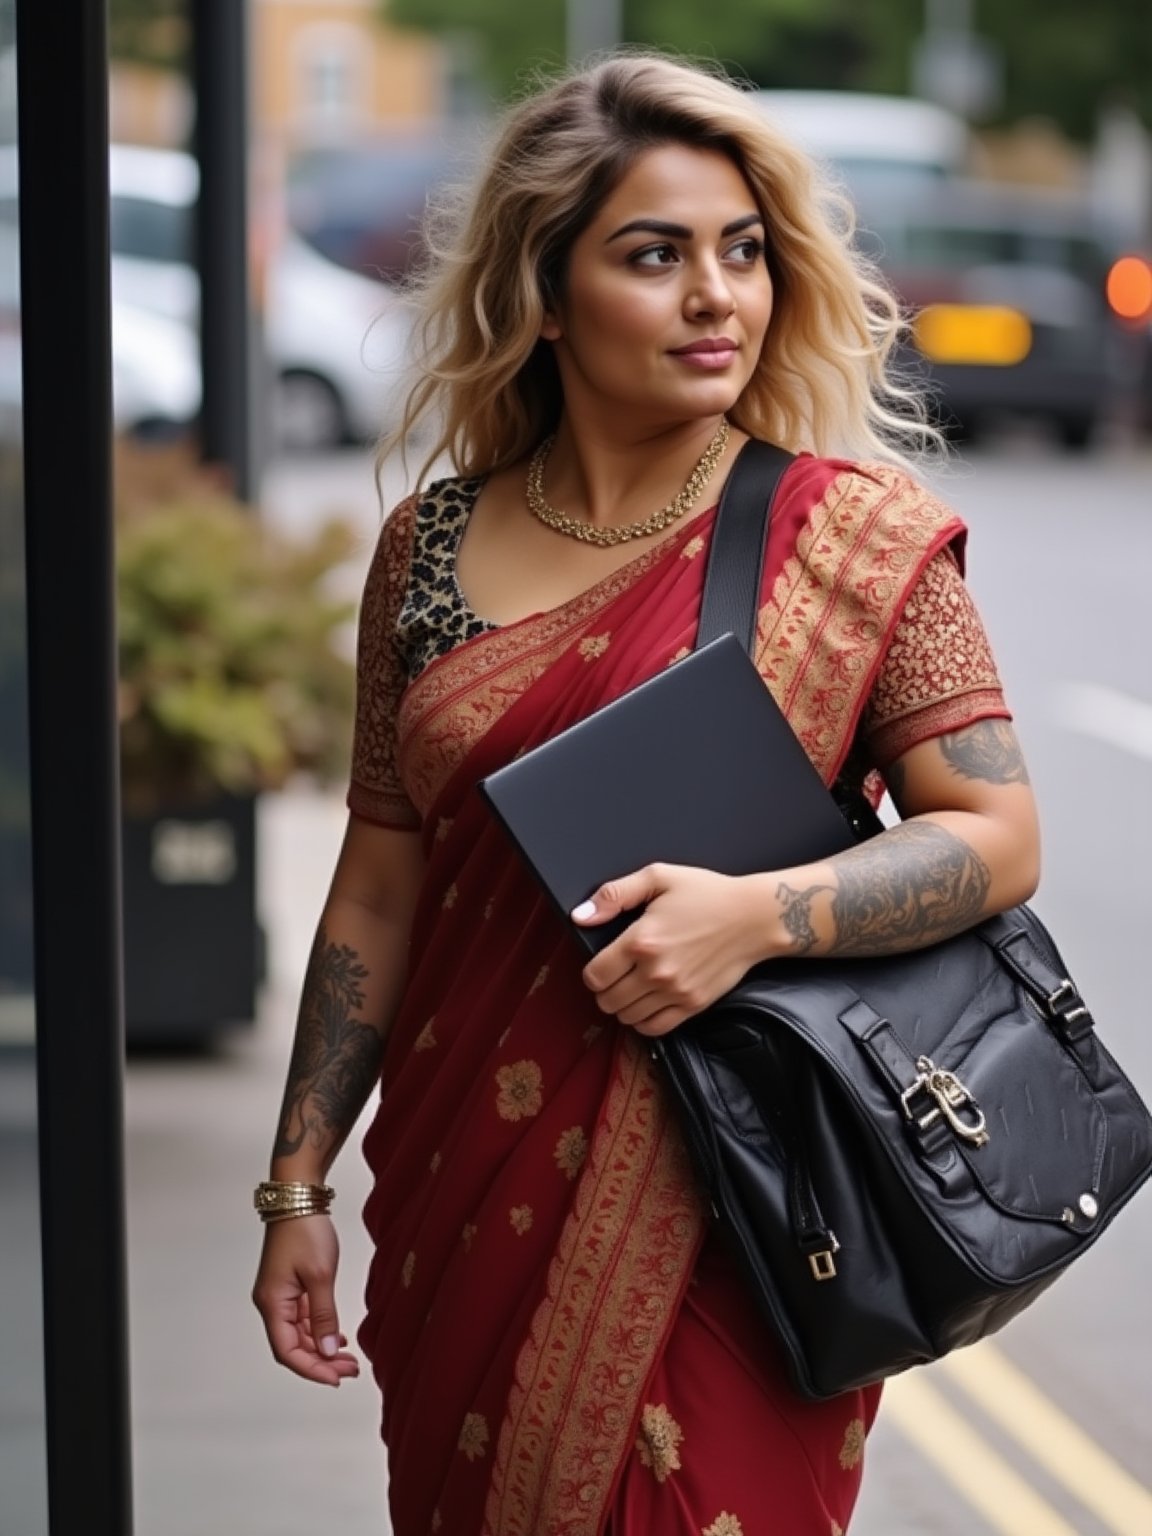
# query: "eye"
x,y
746,251
663,255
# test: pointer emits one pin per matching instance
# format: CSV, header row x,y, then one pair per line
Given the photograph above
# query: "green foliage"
x,y
773,42
233,668
512,39
779,43
1061,59
1065,61
149,31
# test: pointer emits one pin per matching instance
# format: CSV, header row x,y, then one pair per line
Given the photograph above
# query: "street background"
x,y
1060,557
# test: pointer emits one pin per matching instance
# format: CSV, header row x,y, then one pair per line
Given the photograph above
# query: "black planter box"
x,y
193,950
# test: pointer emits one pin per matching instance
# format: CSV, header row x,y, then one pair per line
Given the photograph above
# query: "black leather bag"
x,y
905,1151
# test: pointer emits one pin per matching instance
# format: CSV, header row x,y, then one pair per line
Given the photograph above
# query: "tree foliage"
x,y
1059,59
1066,61
151,31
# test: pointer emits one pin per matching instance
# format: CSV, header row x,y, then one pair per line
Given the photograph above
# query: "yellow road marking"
x,y
984,1479
1054,1440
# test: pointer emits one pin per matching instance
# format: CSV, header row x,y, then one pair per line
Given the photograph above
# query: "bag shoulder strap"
x,y
739,539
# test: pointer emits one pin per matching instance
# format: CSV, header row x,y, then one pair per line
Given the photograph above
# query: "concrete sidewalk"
x,y
225,1440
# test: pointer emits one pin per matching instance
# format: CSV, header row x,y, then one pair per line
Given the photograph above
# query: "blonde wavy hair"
x,y
488,386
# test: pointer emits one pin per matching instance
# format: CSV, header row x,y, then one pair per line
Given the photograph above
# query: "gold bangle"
x,y
281,1198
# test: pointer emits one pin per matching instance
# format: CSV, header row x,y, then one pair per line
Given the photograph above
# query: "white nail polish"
x,y
584,910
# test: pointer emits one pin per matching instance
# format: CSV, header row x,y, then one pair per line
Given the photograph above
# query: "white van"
x,y
875,143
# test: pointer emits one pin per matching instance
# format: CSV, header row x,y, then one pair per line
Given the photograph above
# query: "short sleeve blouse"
x,y
376,792
938,674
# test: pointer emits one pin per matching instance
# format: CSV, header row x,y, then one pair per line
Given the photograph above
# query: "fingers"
x,y
617,896
646,988
292,1345
294,1294
662,1023
323,1326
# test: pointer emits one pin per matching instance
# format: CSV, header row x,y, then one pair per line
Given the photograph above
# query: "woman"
x,y
648,275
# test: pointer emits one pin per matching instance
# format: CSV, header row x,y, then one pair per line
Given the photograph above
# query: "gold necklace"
x,y
588,533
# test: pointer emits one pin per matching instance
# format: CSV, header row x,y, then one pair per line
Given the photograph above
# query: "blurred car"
x,y
339,345
876,144
155,373
155,359
363,206
337,342
1008,291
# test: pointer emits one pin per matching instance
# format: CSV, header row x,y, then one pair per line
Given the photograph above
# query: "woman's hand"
x,y
698,936
295,1296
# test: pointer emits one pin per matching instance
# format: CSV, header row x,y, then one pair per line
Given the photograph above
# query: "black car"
x,y
1007,291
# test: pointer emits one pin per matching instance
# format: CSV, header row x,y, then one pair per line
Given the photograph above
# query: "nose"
x,y
709,293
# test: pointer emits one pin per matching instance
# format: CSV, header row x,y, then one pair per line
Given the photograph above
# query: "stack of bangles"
x,y
283,1201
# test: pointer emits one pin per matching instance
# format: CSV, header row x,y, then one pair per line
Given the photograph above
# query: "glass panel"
x,y
23,1476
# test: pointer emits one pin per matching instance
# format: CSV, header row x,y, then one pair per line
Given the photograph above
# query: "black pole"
x,y
220,88
62,83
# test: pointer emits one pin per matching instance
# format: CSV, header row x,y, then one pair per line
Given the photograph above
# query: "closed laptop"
x,y
696,766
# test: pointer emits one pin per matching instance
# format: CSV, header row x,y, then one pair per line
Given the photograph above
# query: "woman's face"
x,y
667,296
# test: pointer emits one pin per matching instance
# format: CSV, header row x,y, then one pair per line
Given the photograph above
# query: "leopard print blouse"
x,y
434,616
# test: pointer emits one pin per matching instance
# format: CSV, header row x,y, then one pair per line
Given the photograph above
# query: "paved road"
x,y
1051,1436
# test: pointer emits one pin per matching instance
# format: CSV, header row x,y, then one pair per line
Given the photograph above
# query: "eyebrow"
x,y
680,231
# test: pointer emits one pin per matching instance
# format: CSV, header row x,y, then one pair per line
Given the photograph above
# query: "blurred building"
x,y
325,72
331,72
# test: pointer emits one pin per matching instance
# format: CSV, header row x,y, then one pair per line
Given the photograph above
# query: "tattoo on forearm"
x,y
796,914
335,1058
915,885
987,750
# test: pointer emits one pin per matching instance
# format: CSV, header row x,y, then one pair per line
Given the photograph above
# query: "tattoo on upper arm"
x,y
336,1057
916,884
987,750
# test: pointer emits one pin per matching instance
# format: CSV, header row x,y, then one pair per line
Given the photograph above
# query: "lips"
x,y
705,346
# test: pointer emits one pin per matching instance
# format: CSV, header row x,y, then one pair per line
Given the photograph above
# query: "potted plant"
x,y
235,674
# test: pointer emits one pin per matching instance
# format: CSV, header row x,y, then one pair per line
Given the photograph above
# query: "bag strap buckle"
x,y
949,1098
822,1264
1067,1009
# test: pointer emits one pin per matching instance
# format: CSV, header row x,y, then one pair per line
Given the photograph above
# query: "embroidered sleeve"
x,y
938,675
376,792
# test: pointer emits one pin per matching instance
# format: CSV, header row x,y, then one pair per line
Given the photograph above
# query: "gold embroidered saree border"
x,y
821,635
614,1288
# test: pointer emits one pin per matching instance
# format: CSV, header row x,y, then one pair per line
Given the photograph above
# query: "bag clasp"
x,y
950,1099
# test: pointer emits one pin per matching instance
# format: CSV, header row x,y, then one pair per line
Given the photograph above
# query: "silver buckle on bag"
x,y
1070,1018
951,1099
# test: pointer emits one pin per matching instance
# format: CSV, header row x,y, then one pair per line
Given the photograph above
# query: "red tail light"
x,y
1129,288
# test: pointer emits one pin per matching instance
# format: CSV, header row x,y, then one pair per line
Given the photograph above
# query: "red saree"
x,y
562,1348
